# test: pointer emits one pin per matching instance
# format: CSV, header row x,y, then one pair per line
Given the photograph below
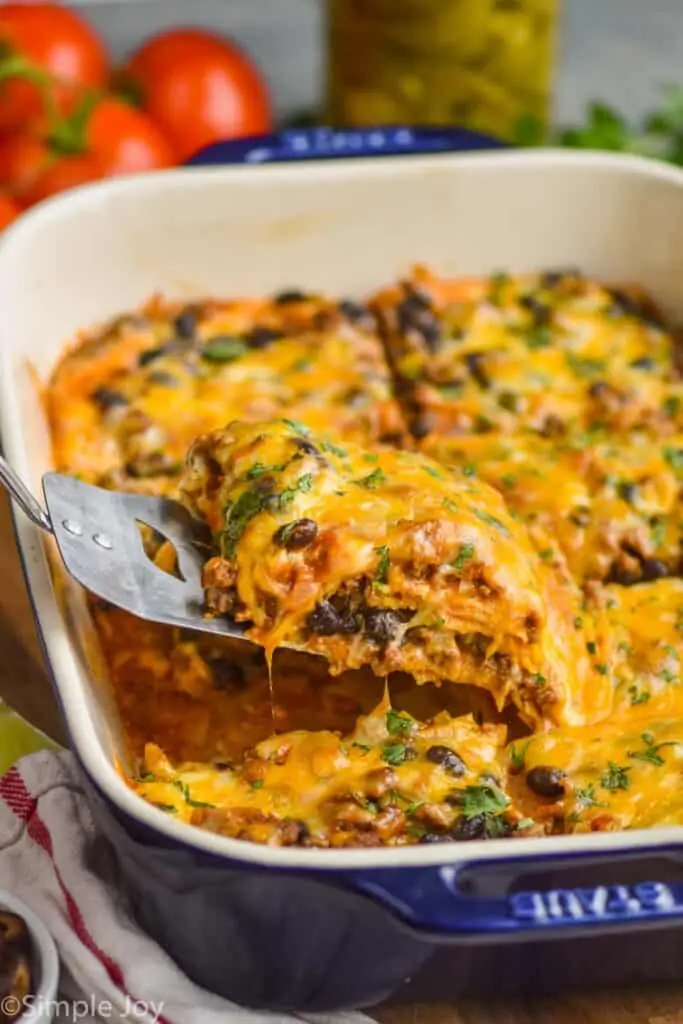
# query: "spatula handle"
x,y
18,490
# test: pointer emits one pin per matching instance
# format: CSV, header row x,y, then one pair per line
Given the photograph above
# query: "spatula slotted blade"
x,y
99,539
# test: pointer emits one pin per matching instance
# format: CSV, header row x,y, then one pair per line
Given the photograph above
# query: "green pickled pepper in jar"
x,y
481,64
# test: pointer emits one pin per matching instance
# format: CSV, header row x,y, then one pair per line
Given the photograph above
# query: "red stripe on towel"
x,y
17,797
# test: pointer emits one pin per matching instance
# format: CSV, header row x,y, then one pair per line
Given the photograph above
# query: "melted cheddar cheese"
x,y
532,552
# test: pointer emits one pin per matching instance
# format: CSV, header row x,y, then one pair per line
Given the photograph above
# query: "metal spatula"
x,y
98,536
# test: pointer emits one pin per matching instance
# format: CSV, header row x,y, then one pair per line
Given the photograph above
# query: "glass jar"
x,y
481,64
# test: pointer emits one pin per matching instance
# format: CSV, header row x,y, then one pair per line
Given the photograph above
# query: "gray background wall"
x,y
619,51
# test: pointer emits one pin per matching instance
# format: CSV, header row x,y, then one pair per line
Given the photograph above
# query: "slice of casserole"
x,y
387,559
392,781
551,353
128,401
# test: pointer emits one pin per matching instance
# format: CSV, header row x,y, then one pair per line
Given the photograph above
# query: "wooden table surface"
x,y
24,685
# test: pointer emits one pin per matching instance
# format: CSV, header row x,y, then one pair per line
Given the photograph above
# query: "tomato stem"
x,y
69,135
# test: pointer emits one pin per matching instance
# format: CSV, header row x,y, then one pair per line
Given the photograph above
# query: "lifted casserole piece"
x,y
392,781
387,559
128,400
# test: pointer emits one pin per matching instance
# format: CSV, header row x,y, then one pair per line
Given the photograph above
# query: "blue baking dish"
x,y
312,930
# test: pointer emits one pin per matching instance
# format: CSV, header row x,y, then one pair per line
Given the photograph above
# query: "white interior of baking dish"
x,y
346,227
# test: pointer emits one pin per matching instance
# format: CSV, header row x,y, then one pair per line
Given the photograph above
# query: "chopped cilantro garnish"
x,y
223,349
638,696
584,367
671,405
667,675
538,336
334,449
304,483
451,505
395,753
615,777
492,521
256,784
674,457
239,515
539,680
508,480
373,481
524,824
398,724
363,747
466,553
517,756
546,554
586,798
432,472
602,668
499,280
592,647
382,570
168,808
185,790
469,469
300,428
147,777
650,753
371,457
578,622
476,800
258,469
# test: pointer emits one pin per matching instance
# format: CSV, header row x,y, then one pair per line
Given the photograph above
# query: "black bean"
x,y
644,363
546,781
290,296
539,310
151,354
600,387
432,332
294,832
448,759
107,398
509,400
627,491
623,576
154,464
296,535
434,837
166,380
265,484
553,426
653,569
325,620
466,829
355,398
226,675
581,517
382,624
307,447
624,304
353,311
423,424
261,337
551,278
489,780
185,324
475,364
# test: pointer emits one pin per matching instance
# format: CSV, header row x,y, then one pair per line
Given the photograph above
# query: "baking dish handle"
x,y
487,899
300,144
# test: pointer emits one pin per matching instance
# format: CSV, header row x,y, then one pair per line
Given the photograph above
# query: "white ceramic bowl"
x,y
44,962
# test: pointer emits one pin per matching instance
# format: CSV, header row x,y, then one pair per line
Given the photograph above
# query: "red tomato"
x,y
125,140
101,138
47,38
198,88
22,159
60,174
9,211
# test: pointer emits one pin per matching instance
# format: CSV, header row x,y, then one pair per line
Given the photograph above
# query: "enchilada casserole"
x,y
462,494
